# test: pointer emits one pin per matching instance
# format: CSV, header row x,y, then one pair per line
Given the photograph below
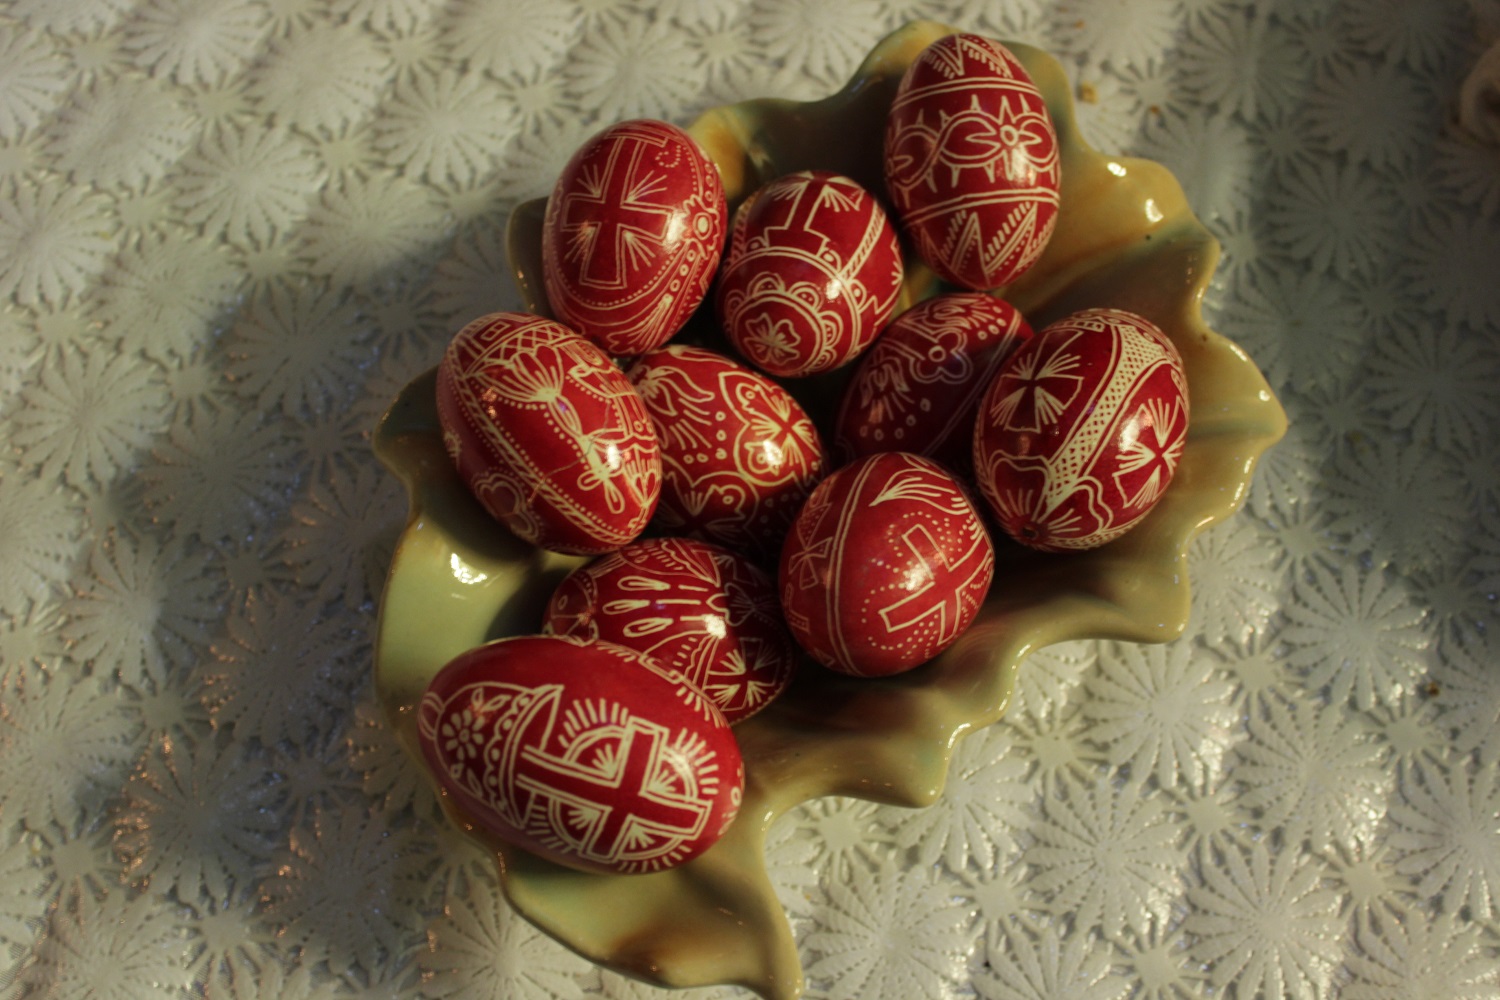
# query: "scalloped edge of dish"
x,y
1125,237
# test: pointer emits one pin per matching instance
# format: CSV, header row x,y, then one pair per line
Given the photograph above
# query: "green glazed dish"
x,y
1125,238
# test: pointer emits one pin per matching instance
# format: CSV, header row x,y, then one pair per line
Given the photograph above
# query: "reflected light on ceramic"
x,y
1118,169
463,572
1152,212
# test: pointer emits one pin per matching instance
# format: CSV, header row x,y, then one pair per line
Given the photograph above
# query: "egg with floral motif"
x,y
918,388
812,272
972,165
1080,434
739,455
586,753
548,434
706,612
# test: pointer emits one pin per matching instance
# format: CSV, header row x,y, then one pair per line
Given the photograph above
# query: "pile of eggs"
x,y
728,539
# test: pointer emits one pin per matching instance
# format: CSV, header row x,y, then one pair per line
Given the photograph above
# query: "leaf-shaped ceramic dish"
x,y
1125,238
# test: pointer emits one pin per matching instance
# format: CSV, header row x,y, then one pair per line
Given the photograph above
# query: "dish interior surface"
x,y
1125,238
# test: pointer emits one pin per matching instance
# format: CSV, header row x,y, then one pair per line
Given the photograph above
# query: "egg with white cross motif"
x,y
586,753
886,565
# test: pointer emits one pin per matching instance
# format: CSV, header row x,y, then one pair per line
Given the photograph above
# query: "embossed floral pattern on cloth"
x,y
231,230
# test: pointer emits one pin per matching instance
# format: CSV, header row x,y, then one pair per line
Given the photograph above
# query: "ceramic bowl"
x,y
1125,238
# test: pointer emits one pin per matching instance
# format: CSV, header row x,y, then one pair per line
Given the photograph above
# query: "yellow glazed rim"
x,y
1125,238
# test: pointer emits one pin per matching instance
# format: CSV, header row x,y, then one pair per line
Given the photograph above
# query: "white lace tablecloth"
x,y
230,230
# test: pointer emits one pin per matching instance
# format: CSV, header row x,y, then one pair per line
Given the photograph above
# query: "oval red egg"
x,y
739,455
971,162
696,608
548,433
588,754
812,273
1081,432
885,566
918,388
632,235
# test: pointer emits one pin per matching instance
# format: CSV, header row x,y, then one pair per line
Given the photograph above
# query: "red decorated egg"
x,y
1080,433
918,387
811,274
586,753
696,608
548,433
886,564
632,235
738,454
971,162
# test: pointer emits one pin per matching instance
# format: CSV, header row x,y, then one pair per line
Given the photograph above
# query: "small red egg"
x,y
696,608
739,455
632,235
548,433
918,388
585,753
1082,430
971,162
812,273
887,564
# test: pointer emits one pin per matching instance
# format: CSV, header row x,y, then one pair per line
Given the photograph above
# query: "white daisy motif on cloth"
x,y
121,132
23,905
1370,112
63,17
1106,853
1208,153
1446,831
53,240
1214,820
889,930
172,284
124,946
1241,62
1365,877
1298,325
1046,964
1120,33
634,69
1403,505
143,608
1161,710
195,815
369,228
521,37
1159,961
1057,746
1355,632
1420,36
67,729
1336,217
985,799
1467,678
385,770
1237,585
825,42
1437,382
446,127
41,532
322,77
1049,678
1449,261
479,949
195,41
32,82
344,533
339,886
295,349
274,679
1416,955
1263,923
844,834
246,185
1317,773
